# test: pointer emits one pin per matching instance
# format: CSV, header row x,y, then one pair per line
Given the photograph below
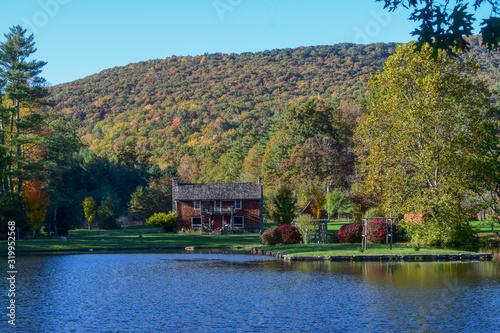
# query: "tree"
x,y
251,165
155,198
313,192
138,203
13,208
310,144
283,206
37,201
108,212
443,24
488,179
418,145
25,91
89,210
338,203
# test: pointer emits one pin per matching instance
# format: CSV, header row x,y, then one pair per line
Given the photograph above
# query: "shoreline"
x,y
465,257
380,257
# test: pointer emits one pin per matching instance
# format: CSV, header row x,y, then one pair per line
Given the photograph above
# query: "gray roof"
x,y
218,191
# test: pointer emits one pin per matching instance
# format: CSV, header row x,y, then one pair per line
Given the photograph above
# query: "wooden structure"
x,y
320,226
389,231
218,206
322,231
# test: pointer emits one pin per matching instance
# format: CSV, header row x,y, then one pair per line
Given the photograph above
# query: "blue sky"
x,y
82,37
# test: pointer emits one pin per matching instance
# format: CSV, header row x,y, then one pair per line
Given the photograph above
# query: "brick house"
x,y
218,206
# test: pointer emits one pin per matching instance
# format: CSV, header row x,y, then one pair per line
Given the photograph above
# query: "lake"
x,y
224,292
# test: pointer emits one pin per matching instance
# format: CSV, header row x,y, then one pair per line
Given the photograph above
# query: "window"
x,y
217,204
195,222
197,205
238,222
237,204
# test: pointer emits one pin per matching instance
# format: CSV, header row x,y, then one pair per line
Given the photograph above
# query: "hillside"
x,y
212,104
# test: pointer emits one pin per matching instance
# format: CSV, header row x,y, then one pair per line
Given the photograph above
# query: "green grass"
x,y
352,249
335,225
129,238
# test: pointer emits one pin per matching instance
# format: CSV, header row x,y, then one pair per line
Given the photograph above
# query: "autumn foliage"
x,y
289,234
350,233
285,234
37,202
377,231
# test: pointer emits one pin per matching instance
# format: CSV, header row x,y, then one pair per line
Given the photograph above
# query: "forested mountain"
x,y
205,115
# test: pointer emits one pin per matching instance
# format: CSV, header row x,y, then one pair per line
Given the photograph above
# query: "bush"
x,y
162,220
305,226
271,237
289,234
350,233
377,231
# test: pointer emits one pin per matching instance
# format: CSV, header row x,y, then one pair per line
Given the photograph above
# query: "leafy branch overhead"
x,y
444,24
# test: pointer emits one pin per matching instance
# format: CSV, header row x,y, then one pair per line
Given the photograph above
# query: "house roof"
x,y
218,191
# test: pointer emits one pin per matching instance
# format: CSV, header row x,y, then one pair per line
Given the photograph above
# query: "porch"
x,y
210,210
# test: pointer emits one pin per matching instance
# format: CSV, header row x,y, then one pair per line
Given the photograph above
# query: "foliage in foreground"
x,y
418,146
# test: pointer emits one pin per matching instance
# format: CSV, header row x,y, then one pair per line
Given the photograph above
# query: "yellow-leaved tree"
x,y
37,201
89,210
420,141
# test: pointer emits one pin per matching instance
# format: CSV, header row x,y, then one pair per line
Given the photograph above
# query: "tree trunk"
x,y
19,150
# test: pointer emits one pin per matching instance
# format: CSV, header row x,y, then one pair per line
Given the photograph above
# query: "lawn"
x,y
338,249
129,238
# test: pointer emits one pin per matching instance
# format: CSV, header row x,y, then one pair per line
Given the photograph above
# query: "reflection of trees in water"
x,y
410,274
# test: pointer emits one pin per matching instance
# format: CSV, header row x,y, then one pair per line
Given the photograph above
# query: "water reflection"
x,y
213,292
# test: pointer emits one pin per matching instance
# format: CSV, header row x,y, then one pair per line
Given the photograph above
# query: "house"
x,y
218,206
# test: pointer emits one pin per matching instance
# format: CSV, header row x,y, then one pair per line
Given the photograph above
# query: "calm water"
x,y
210,292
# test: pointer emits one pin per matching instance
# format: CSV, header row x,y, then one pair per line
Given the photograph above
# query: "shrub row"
x,y
285,234
377,230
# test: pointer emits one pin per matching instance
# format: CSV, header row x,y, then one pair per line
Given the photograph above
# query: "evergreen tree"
x,y
283,209
24,93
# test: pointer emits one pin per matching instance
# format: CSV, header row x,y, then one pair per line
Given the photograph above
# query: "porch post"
x,y
232,220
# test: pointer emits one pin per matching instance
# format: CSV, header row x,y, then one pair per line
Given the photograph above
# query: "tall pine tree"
x,y
24,92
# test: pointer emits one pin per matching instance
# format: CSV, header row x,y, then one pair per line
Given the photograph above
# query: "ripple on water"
x,y
211,292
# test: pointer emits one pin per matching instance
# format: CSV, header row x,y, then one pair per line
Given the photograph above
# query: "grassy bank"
x,y
129,238
353,249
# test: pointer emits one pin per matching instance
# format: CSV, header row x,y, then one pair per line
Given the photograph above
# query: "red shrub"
x,y
289,234
377,229
271,237
350,233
